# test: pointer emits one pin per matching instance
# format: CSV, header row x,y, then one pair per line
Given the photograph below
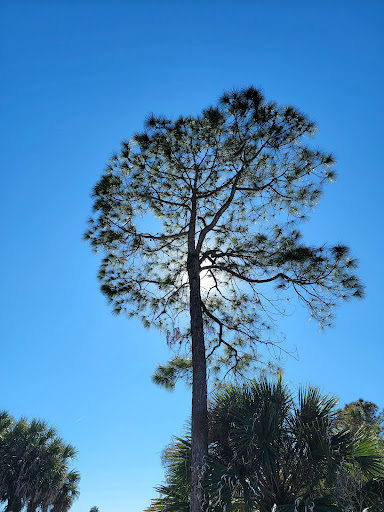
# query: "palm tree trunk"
x,y
14,505
31,507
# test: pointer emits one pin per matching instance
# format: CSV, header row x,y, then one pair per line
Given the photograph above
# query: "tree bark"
x,y
14,505
199,440
199,434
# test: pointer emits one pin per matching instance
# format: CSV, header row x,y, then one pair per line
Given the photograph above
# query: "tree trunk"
x,y
31,506
199,448
14,505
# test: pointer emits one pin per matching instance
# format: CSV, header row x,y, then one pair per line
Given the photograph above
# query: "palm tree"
x,y
51,483
13,483
267,449
34,465
68,493
6,422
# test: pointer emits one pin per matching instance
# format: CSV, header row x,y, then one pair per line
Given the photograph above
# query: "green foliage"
x,y
34,466
267,448
362,413
176,368
234,183
355,416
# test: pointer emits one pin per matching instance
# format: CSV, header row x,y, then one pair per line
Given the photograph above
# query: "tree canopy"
x,y
34,467
362,413
243,175
198,219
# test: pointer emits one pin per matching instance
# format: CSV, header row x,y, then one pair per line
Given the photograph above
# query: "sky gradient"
x,y
77,78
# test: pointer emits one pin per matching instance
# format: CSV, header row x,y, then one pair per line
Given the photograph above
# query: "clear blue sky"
x,y
76,78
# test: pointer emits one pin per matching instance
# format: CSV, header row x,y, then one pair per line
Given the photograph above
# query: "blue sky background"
x,y
76,78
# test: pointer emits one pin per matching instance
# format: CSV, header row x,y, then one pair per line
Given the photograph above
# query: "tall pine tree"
x,y
198,219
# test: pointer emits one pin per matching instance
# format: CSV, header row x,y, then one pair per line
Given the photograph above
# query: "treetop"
x,y
229,186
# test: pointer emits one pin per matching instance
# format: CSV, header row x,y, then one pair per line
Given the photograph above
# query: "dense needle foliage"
x,y
362,413
239,179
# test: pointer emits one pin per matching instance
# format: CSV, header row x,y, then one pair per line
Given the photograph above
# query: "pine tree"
x,y
198,219
362,413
